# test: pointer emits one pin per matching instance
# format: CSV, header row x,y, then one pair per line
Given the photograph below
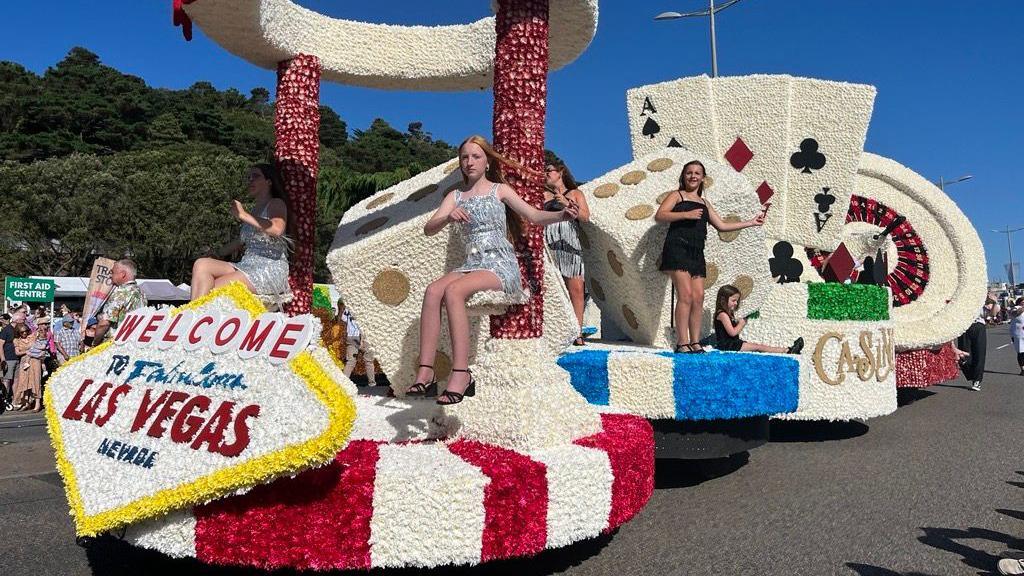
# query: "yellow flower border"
x,y
341,412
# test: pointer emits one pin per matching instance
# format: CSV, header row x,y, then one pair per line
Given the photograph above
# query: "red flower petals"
x,y
520,106
297,131
629,442
319,519
921,368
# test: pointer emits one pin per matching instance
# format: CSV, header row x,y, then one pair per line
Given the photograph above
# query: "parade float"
x,y
557,447
834,213
525,466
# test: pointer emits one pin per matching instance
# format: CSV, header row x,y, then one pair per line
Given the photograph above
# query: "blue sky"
x,y
949,75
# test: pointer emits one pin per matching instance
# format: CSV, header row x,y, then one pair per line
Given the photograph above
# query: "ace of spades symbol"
x,y
675,114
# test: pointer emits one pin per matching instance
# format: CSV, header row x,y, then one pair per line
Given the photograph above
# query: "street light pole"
x,y
943,183
714,45
711,11
1009,248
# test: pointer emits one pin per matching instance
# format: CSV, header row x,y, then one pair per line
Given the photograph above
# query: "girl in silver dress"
x,y
263,268
563,238
486,208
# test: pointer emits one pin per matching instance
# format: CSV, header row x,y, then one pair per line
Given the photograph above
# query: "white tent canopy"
x,y
156,290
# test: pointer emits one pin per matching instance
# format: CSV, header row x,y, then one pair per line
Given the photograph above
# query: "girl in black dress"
x,y
727,327
682,257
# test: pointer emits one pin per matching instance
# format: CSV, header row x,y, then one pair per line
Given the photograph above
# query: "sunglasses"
x,y
551,169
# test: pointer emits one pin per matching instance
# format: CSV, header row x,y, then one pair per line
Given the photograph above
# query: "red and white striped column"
x,y
297,152
520,105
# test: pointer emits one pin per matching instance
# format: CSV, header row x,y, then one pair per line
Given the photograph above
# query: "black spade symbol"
x,y
650,128
783,265
808,158
673,143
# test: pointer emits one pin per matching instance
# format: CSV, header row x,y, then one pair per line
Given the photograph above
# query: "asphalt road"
x,y
936,488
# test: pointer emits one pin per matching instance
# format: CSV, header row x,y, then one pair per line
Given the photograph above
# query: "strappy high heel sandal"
x,y
682,348
797,346
448,397
423,389
696,348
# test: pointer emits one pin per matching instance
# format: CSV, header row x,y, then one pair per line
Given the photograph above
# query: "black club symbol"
x,y
808,158
824,200
783,265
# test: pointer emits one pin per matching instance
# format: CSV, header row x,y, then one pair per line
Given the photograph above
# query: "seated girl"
x,y
728,328
486,208
264,267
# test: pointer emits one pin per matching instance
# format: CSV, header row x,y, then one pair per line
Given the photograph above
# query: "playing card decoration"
x,y
738,155
808,158
790,137
651,128
823,201
782,265
673,143
838,266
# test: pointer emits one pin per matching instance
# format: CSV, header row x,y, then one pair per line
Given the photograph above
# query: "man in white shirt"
x,y
355,343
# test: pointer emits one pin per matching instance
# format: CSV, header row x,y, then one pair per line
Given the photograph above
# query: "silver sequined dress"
x,y
487,245
265,261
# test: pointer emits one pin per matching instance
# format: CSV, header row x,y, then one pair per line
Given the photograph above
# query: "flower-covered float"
x,y
184,407
799,143
701,406
525,465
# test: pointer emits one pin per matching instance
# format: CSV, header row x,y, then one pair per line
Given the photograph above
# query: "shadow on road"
x,y
948,539
679,473
998,372
907,396
111,556
869,570
814,431
1011,513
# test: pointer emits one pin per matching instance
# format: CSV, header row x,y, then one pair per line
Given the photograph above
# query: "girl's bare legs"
x,y
681,282
575,287
430,323
455,297
205,272
696,307
755,347
236,276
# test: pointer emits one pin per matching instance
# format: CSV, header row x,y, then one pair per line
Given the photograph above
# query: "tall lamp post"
x,y
711,11
1009,247
943,183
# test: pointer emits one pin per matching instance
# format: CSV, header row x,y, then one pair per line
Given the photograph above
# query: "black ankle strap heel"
x,y
448,397
423,389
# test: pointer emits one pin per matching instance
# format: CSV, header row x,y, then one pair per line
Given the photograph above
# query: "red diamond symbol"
x,y
764,192
738,154
839,266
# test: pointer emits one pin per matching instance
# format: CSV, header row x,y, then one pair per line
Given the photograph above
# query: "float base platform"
x,y
707,439
400,495
658,384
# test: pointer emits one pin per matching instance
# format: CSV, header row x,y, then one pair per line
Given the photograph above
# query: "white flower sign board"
x,y
184,406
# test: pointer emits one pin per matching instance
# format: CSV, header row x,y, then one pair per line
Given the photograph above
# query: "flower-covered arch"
x,y
450,58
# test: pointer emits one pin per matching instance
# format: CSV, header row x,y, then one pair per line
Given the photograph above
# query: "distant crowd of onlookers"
x,y
33,345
